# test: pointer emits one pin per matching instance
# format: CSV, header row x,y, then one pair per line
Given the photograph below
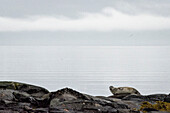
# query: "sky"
x,y
95,43
86,23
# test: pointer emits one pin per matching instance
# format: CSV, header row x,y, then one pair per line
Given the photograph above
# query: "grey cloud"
x,y
156,7
20,8
70,8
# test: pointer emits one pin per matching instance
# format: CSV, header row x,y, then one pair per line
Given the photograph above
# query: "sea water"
x,y
88,69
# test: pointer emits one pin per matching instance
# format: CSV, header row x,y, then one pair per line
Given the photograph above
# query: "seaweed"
x,y
159,106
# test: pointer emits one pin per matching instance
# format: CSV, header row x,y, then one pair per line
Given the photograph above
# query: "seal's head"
x,y
113,89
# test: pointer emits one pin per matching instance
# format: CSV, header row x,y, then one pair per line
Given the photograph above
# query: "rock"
x,y
158,112
41,110
120,96
75,101
127,111
69,94
167,98
9,111
7,95
157,106
24,98
34,91
7,85
12,96
84,106
17,96
66,94
156,97
150,98
135,98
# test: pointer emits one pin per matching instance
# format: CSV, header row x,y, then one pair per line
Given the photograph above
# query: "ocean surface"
x,y
88,69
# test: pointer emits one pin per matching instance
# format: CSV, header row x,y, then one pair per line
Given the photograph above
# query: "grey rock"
x,y
150,98
156,97
75,101
158,112
7,95
33,90
167,99
24,98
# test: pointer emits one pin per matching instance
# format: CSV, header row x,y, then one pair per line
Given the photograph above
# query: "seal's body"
x,y
123,90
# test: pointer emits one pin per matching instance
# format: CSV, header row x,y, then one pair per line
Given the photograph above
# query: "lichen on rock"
x,y
158,106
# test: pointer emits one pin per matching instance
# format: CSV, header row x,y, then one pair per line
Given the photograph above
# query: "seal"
x,y
124,90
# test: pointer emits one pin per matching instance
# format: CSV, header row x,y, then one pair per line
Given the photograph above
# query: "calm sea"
x,y
88,69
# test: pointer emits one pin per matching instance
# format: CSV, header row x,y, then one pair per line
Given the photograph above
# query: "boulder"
x,y
19,96
33,90
151,98
72,101
24,98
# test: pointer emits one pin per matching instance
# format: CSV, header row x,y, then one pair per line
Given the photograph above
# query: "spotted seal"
x,y
124,90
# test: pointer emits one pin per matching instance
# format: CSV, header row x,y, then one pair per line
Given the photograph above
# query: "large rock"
x,y
12,101
70,100
66,94
20,97
33,90
9,97
24,98
151,98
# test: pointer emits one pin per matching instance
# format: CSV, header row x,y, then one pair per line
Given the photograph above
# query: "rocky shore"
x,y
25,98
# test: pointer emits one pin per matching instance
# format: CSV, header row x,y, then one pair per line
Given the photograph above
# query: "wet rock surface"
x,y
18,97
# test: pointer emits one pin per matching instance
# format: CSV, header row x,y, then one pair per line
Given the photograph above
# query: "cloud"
x,y
108,19
133,7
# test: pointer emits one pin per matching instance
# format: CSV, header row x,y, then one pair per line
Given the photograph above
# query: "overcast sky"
x,y
80,22
96,42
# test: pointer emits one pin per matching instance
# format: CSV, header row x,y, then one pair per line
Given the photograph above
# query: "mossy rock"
x,y
159,106
33,90
7,85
